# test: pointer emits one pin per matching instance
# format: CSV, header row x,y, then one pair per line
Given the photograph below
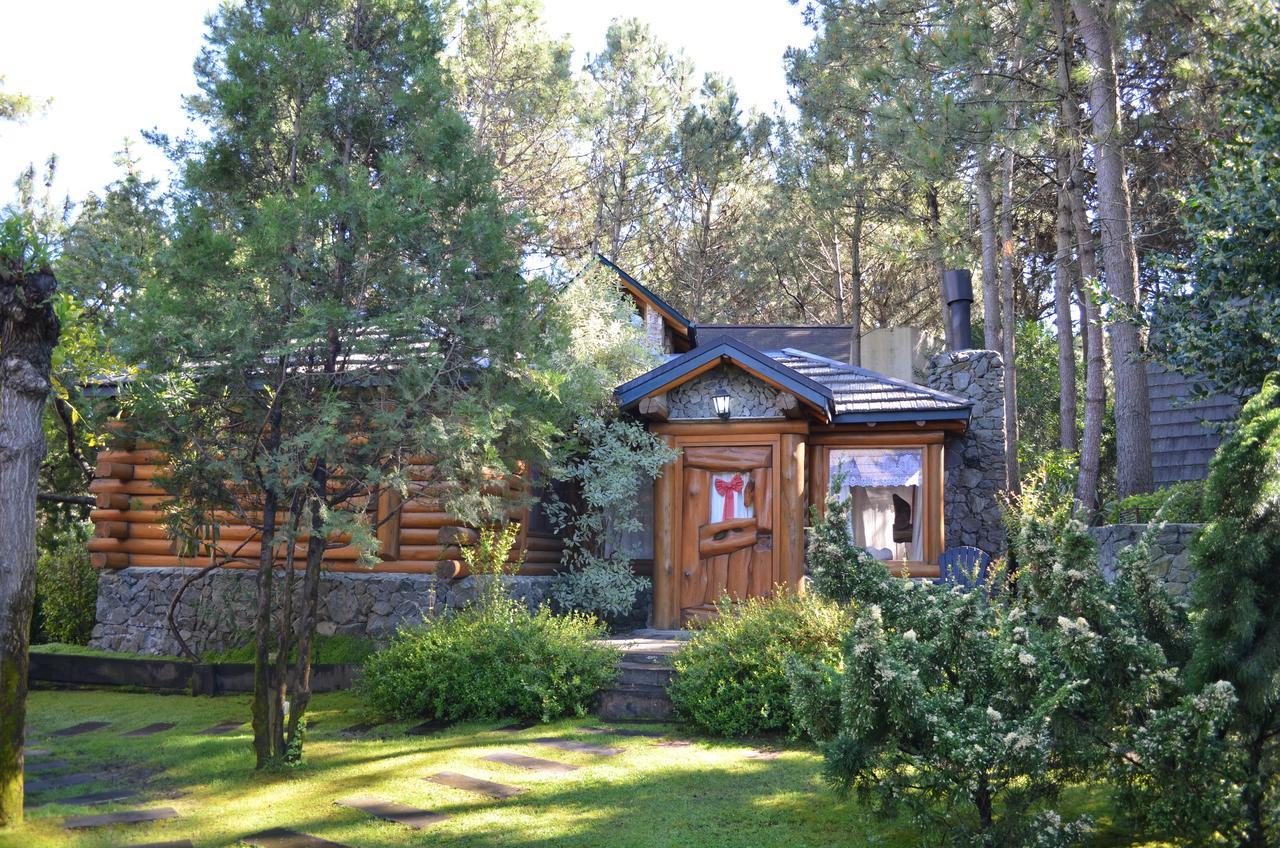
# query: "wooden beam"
x,y
388,518
667,509
789,543
720,429
655,407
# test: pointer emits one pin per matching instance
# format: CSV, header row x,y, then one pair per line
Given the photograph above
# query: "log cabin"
x,y
767,419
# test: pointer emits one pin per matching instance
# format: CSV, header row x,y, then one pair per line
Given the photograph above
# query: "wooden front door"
x,y
727,526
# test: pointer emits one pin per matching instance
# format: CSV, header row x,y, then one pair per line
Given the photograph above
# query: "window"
x,y
886,486
730,497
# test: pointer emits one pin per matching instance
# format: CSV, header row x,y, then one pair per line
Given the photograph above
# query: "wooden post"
x,y
388,528
666,543
791,484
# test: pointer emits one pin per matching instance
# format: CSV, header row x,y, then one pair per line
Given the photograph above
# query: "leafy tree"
x,y
1221,326
1236,596
28,335
342,295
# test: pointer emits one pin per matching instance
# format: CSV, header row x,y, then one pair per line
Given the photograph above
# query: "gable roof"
x,y
686,366
838,392
860,396
671,316
829,340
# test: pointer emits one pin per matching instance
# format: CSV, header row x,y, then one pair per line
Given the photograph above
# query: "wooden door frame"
x,y
787,479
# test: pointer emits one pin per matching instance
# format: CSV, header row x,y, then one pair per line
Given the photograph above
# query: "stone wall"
x,y
1170,559
975,462
751,397
217,611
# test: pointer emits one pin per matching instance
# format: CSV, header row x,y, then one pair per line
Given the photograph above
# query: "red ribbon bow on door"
x,y
725,489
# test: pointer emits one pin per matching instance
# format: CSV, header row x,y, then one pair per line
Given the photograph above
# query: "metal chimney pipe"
x,y
957,288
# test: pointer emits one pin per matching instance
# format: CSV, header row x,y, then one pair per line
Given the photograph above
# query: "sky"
x,y
119,67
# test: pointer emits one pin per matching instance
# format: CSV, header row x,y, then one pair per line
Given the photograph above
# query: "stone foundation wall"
x,y
217,611
975,471
1170,559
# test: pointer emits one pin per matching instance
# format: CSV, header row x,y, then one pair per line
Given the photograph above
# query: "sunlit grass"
x,y
707,794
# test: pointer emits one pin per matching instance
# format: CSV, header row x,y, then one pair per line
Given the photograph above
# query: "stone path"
x,y
82,727
35,752
626,731
466,783
393,812
122,817
223,727
43,784
41,766
429,727
173,843
90,799
158,727
359,729
580,747
280,837
516,728
511,758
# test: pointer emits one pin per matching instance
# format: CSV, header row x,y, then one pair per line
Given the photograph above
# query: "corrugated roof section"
x,y
859,392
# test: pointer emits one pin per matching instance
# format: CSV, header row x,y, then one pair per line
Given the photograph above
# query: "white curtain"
x,y
734,485
872,477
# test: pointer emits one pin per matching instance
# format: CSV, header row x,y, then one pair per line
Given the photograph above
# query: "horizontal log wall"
x,y
129,527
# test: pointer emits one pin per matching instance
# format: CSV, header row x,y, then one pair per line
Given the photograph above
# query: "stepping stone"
x,y
474,784
158,727
82,727
627,731
393,812
763,754
35,752
122,817
516,728
44,765
175,843
510,758
360,729
222,728
673,743
281,837
91,798
580,747
428,727
45,783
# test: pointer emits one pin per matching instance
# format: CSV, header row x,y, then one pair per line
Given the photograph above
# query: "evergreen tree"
x,y
1236,603
342,297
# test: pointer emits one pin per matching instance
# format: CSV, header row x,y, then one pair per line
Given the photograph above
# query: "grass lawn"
x,y
707,794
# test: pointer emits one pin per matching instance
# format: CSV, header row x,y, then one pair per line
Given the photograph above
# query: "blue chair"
x,y
964,566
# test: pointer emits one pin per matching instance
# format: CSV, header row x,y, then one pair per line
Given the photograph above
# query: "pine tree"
x,y
343,294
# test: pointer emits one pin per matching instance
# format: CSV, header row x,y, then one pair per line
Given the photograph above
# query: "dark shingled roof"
x,y
1183,433
860,395
829,340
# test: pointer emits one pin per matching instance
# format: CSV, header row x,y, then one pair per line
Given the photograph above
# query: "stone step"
x,y
647,658
634,701
643,674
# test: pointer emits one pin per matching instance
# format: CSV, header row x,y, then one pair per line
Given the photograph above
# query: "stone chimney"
x,y
975,467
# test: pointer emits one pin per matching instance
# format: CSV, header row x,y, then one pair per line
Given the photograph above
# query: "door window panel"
x,y
729,497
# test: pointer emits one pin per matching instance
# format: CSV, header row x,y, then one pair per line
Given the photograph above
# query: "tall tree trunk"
x,y
28,334
990,250
1008,322
838,272
263,706
307,621
933,223
1062,276
1133,406
1095,361
1062,288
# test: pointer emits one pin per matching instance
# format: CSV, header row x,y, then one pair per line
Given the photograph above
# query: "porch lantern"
x,y
721,402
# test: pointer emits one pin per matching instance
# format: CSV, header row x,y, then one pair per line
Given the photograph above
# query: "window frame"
x,y
931,444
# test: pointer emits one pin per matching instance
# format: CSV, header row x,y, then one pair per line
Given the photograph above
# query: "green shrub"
x,y
492,660
1181,503
66,588
731,678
